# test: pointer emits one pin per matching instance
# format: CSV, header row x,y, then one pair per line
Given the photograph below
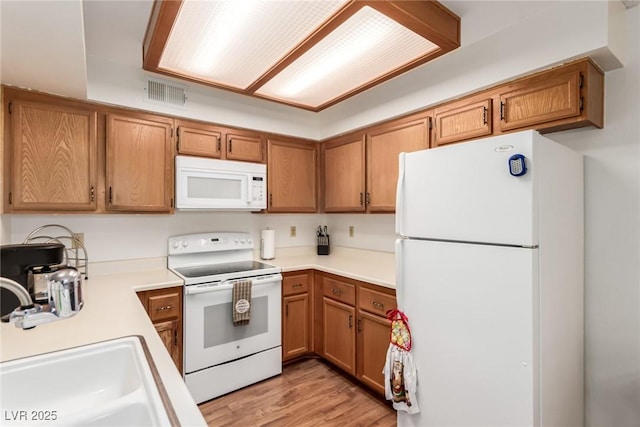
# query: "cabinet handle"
x,y
92,193
367,198
351,321
110,196
163,308
270,199
361,199
378,305
335,291
230,146
484,115
297,285
501,110
219,144
10,198
359,325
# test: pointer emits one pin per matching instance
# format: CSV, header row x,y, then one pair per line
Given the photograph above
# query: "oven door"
x,y
210,336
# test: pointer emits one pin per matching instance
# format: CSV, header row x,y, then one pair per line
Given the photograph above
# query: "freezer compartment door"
x,y
472,311
466,192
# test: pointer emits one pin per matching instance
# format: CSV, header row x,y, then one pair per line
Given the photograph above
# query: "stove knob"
x,y
249,240
175,244
184,243
242,239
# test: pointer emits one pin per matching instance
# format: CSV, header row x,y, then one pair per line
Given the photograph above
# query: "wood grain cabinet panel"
x,y
384,145
197,139
296,327
292,176
344,171
552,98
462,120
54,162
164,308
339,338
139,163
296,314
373,343
245,146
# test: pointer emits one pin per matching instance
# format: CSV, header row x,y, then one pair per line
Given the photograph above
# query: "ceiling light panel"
x,y
235,42
367,46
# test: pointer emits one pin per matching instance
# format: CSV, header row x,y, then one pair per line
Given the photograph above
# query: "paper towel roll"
x,y
268,244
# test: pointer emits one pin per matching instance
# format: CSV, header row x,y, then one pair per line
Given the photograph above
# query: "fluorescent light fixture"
x,y
363,48
306,53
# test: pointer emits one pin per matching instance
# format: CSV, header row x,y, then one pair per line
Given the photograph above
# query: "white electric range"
x,y
218,356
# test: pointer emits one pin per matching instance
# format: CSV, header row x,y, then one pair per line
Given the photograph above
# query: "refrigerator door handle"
x,y
399,275
400,194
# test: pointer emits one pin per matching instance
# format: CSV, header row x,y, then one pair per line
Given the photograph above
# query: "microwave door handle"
x,y
249,182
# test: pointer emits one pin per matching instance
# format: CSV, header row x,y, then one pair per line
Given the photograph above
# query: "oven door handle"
x,y
228,284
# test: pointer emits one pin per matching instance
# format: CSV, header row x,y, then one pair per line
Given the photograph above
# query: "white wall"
x,y
612,245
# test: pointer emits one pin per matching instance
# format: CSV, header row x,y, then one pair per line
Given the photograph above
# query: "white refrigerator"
x,y
489,269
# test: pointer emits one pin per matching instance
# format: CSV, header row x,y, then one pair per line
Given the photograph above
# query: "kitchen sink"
x,y
103,384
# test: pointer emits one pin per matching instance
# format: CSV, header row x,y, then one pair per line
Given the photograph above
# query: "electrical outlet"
x,y
292,231
77,241
351,230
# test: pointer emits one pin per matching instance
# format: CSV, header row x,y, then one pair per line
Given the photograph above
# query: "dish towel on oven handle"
x,y
241,302
400,377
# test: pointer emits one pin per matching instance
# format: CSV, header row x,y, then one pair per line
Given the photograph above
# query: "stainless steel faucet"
x,y
29,315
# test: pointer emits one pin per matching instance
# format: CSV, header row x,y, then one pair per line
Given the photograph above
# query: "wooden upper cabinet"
x,y
344,174
245,146
291,175
54,157
197,139
552,98
384,144
461,120
139,174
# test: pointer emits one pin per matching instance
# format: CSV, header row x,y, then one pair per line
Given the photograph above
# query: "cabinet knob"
x,y
163,308
377,305
336,291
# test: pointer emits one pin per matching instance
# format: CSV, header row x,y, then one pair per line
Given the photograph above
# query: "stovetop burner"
x,y
253,267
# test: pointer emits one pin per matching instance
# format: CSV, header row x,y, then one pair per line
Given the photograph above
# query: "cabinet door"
x,y
54,157
383,147
373,343
462,120
344,176
339,337
295,328
291,172
139,164
169,332
245,146
540,100
199,140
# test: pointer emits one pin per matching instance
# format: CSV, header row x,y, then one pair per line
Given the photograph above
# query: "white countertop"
x,y
367,266
112,309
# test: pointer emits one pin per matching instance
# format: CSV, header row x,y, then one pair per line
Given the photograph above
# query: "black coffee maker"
x,y
19,263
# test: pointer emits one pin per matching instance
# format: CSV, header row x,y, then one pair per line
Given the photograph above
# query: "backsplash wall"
x,y
119,237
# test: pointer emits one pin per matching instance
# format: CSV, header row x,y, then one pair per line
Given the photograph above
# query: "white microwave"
x,y
212,184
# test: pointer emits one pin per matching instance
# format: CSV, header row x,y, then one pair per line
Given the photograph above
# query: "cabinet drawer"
x,y
165,306
295,284
375,302
339,291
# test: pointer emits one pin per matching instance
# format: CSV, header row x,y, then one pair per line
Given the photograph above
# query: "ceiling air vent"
x,y
165,93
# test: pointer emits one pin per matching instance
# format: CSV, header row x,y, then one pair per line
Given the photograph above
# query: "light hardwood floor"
x,y
308,393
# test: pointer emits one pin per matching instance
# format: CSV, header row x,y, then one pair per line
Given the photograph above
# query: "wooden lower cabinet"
x,y
373,343
169,332
339,338
164,307
296,314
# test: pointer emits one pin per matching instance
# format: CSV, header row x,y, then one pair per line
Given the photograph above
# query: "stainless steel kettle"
x,y
65,292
